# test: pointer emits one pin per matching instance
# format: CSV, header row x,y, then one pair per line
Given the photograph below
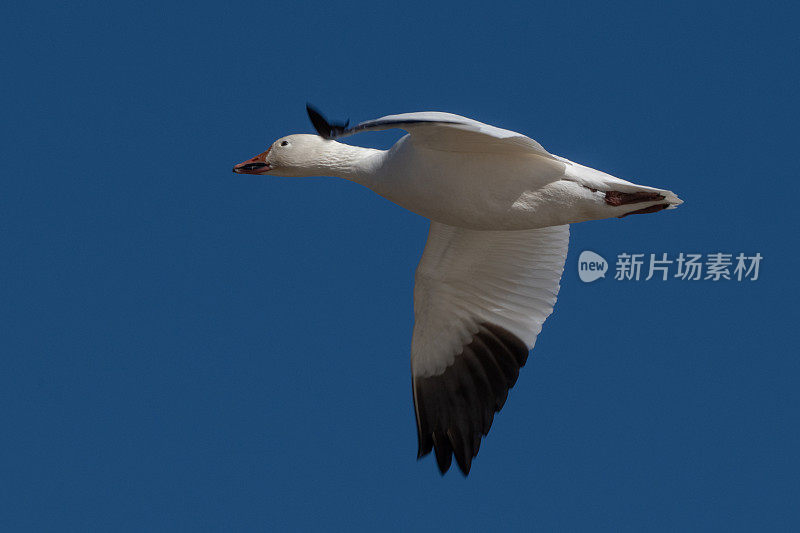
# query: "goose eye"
x,y
285,143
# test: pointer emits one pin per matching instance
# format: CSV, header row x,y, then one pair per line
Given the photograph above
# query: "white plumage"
x,y
499,205
468,277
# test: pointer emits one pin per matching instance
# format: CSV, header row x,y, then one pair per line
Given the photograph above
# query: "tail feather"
x,y
619,192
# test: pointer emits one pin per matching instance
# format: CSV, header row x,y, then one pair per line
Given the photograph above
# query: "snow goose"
x,y
499,206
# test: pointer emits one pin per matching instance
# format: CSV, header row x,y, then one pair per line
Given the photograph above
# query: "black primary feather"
x,y
455,409
325,129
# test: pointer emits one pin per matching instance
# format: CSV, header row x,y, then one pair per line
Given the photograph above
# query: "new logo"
x,y
591,266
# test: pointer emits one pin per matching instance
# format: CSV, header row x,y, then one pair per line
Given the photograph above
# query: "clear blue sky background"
x,y
185,348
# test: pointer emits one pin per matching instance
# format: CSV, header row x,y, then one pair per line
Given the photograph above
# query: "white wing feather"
x,y
453,133
467,277
480,299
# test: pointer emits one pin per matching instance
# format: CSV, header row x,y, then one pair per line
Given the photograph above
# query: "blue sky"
x,y
185,348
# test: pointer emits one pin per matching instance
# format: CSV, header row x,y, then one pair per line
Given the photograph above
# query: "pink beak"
x,y
256,165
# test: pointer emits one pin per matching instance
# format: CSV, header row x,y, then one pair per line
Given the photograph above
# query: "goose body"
x,y
499,206
499,191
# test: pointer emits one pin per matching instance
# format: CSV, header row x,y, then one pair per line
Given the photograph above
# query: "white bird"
x,y
499,206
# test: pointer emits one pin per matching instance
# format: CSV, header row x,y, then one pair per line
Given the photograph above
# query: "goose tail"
x,y
622,197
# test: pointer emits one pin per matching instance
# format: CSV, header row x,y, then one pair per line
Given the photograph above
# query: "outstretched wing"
x,y
438,131
480,299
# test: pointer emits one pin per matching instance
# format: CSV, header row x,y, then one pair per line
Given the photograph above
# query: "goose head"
x,y
292,156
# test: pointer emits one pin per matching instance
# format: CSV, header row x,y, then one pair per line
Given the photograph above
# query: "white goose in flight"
x,y
499,206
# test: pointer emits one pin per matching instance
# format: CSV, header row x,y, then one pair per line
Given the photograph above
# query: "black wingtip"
x,y
455,408
325,129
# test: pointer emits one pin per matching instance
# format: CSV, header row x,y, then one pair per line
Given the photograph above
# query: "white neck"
x,y
352,163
